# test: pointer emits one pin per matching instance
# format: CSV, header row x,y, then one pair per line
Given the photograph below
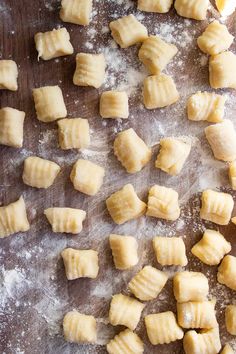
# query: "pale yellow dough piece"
x,y
195,9
125,205
128,31
114,104
222,70
170,251
8,75
232,174
159,91
227,350
126,342
215,39
53,44
216,207
163,203
124,251
66,220
204,342
207,106
73,133
80,263
227,272
13,218
76,11
155,54
230,319
190,286
90,70
79,328
162,328
172,156
39,173
197,314
11,127
87,177
49,103
131,151
212,248
125,311
234,220
160,6
225,7
147,283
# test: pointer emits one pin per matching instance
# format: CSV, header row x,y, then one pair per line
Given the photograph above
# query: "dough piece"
x,y
90,70
13,218
206,106
8,75
232,173
212,248
76,11
222,70
216,207
227,350
204,342
39,173
230,319
196,9
66,220
215,39
126,342
79,328
87,177
159,91
125,311
222,139
190,286
160,6
225,7
163,203
11,127
131,151
162,328
155,54
53,44
124,251
197,314
128,31
125,205
80,263
170,251
73,133
49,103
114,104
172,156
227,272
147,284
234,220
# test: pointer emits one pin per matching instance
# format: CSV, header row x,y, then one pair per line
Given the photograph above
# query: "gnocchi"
x,y
222,70
190,286
230,319
114,104
204,342
11,127
66,220
227,350
232,174
126,342
124,251
170,251
131,151
227,272
73,133
79,328
8,75
225,7
160,6
195,9
76,11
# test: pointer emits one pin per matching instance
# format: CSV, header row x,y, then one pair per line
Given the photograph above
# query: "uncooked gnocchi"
x,y
160,6
66,220
227,272
204,342
230,319
124,251
170,251
147,284
222,70
163,203
8,75
172,156
159,91
114,104
190,286
76,11
227,350
225,7
73,133
128,31
11,127
232,174
196,9
80,263
131,151
79,328
126,342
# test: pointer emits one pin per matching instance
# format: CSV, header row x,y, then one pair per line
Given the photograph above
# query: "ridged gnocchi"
x,y
216,207
227,272
190,286
125,311
204,342
170,251
79,328
124,251
76,11
66,220
8,75
211,248
126,342
172,155
147,284
114,104
131,151
125,205
227,350
11,127
195,9
160,6
232,174
163,203
73,133
222,70
159,91
230,319
225,7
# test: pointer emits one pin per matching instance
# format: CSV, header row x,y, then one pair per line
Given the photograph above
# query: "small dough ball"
x,y
124,251
8,75
159,6
11,127
76,11
114,104
128,340
190,286
230,319
73,133
227,272
222,70
195,9
232,174
206,341
79,328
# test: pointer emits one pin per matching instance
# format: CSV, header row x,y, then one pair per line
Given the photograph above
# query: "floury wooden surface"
x,y
35,294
